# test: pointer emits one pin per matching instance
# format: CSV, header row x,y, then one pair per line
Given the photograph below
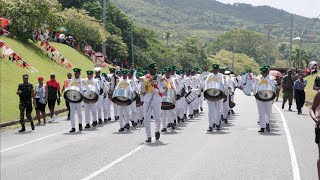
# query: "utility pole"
x,y
132,54
300,49
104,20
290,52
232,58
269,28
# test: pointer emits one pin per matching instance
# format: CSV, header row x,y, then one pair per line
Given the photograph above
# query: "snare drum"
x,y
190,97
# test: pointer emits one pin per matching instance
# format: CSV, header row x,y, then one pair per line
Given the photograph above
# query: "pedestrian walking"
x,y
287,89
66,83
299,93
53,95
278,86
26,94
41,98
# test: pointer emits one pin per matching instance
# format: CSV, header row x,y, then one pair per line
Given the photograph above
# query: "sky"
x,y
307,8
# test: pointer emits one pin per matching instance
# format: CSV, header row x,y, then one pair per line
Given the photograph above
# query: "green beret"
x,y
76,70
112,69
104,74
178,72
173,67
139,69
139,74
131,71
125,71
145,72
167,69
118,72
25,76
188,70
89,72
215,66
152,66
264,69
159,72
267,66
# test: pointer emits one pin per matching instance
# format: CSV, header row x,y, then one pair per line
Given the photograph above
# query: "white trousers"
x,y
73,108
264,110
180,107
133,111
106,108
123,115
115,109
201,100
193,106
214,112
155,108
232,99
100,107
138,114
167,116
90,109
225,108
247,88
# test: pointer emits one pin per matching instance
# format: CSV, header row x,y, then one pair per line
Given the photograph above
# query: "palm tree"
x,y
295,58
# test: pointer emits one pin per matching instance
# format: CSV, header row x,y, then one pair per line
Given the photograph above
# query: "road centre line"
x,y
294,163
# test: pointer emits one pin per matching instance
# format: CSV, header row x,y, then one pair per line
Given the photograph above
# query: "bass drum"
x,y
265,93
73,94
213,91
122,97
90,94
168,100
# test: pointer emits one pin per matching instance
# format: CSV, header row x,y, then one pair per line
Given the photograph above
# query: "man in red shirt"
x,y
53,95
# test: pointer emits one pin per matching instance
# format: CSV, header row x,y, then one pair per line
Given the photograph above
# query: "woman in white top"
x,y
41,96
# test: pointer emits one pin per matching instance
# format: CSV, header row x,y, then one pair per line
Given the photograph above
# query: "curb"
x,y
34,118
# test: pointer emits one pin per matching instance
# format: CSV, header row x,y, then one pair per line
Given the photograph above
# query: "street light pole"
x,y
104,20
300,49
290,52
232,58
132,54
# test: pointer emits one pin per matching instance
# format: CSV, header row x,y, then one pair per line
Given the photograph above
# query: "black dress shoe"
x,y
209,129
226,121
164,130
157,135
72,130
218,127
282,106
175,122
116,118
191,115
184,116
148,140
132,122
121,129
178,119
94,124
182,120
80,127
23,129
214,125
290,108
127,126
109,119
229,113
232,111
105,120
201,109
168,125
32,126
173,126
261,130
100,121
268,127
151,117
87,126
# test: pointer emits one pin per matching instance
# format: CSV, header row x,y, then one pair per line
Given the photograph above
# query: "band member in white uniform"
x,y
76,81
248,83
225,109
90,108
264,107
188,107
194,84
215,107
139,109
106,102
100,79
133,105
152,101
180,104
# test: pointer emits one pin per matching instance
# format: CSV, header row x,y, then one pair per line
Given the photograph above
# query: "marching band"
x,y
169,96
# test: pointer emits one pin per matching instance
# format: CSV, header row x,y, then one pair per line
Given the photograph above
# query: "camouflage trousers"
x,y
287,95
25,107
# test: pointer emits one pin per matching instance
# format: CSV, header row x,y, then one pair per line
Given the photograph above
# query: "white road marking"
x,y
31,142
103,169
294,163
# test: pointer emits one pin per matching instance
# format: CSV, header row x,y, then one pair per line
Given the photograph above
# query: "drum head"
x,y
213,98
167,106
73,96
265,95
121,101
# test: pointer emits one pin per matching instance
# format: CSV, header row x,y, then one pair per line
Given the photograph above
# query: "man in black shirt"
x,y
26,94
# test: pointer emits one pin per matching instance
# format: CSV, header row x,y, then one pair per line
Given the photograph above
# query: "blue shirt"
x,y
300,85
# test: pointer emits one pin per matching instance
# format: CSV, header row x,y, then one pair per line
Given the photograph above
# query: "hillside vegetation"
x,y
11,75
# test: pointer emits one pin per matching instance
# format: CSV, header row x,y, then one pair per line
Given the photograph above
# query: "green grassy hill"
x,y
11,75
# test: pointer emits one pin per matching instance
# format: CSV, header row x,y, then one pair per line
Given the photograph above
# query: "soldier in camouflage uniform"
x,y
26,94
287,89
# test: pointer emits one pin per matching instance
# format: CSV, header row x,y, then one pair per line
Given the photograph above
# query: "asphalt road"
x,y
238,151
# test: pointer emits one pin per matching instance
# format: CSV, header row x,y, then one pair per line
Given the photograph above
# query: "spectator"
x,y
316,85
41,97
65,85
278,86
287,86
315,115
53,91
299,93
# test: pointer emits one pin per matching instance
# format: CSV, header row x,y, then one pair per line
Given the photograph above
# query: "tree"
x,y
295,58
83,27
31,15
241,64
116,49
